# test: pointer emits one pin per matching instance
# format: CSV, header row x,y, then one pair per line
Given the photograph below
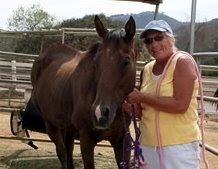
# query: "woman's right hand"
x,y
127,107
135,97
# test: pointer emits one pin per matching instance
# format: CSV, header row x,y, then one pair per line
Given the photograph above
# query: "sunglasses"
x,y
157,38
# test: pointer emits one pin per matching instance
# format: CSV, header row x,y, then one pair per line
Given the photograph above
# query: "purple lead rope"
x,y
138,161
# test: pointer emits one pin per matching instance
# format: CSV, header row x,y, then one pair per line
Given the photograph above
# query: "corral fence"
x,y
15,83
15,70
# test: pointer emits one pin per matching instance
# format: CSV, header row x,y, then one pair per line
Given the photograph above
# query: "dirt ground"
x,y
15,154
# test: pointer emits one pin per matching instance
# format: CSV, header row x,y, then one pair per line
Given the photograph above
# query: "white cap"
x,y
159,25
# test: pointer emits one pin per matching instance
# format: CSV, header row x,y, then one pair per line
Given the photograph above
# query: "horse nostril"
x,y
106,112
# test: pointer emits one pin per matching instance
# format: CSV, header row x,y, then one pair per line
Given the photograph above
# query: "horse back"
x,y
53,53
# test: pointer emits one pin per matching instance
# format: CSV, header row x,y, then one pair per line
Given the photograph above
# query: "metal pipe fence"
x,y
15,70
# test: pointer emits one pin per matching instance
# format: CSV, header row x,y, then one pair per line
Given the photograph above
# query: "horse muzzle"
x,y
103,117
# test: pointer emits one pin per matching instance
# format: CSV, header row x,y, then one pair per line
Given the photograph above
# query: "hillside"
x,y
206,32
143,18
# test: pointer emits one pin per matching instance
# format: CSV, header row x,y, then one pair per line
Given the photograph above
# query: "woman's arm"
x,y
183,84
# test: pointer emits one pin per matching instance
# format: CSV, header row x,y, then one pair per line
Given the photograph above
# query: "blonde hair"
x,y
172,40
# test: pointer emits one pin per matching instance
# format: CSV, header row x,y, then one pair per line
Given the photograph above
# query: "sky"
x,y
66,9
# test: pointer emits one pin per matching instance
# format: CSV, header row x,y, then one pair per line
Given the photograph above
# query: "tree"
x,y
88,22
83,42
30,19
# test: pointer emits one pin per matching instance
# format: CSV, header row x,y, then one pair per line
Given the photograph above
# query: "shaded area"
x,y
35,163
6,160
26,159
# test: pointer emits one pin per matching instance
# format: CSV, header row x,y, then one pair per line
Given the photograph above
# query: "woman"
x,y
168,98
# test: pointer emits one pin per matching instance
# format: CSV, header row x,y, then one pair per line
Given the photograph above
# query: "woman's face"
x,y
158,45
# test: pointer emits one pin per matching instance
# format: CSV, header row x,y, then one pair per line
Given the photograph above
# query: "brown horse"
x,y
79,94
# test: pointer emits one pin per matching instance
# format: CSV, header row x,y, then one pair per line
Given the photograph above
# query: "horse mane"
x,y
93,49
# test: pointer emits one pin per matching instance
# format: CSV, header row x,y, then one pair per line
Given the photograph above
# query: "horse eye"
x,y
125,63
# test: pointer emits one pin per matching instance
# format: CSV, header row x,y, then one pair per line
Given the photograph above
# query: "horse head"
x,y
115,71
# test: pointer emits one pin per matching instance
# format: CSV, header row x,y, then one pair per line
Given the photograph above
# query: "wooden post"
x,y
13,70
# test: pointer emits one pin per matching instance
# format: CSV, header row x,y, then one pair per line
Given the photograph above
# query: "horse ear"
x,y
130,29
101,30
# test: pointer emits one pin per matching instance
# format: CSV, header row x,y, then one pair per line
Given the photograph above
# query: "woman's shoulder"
x,y
184,58
183,55
186,65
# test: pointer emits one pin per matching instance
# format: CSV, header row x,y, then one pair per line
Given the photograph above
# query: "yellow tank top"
x,y
174,128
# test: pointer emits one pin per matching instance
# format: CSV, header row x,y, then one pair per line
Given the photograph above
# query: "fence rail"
x,y
15,70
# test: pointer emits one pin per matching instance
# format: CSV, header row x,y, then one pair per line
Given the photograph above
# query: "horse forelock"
x,y
116,35
113,36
